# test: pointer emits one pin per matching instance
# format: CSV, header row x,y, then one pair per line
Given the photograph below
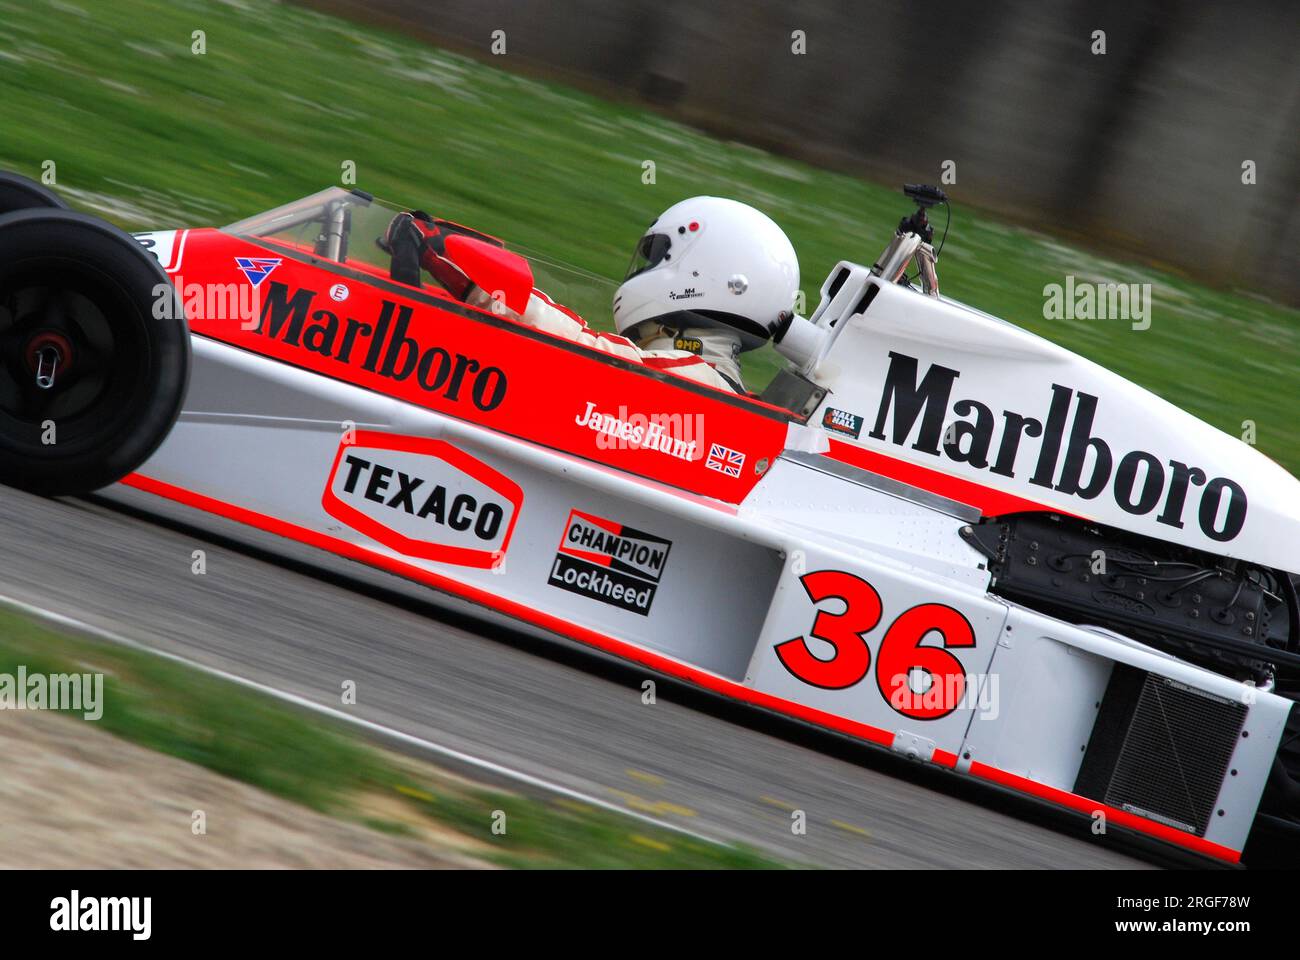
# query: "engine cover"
x,y
1220,612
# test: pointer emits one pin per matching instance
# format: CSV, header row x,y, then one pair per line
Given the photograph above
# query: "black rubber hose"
x,y
1293,611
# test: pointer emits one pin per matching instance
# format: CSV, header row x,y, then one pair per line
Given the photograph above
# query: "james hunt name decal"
x,y
639,432
609,562
1056,447
423,498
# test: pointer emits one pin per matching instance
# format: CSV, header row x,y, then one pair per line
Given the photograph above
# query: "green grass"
x,y
186,714
147,132
246,736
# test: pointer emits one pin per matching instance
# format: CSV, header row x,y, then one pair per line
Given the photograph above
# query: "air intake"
x,y
1160,749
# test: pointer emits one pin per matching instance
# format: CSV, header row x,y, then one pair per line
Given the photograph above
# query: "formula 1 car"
x,y
941,534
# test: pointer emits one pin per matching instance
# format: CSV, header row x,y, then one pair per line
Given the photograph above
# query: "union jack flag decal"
x,y
725,460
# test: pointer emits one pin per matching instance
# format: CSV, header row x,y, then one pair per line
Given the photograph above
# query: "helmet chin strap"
x,y
717,346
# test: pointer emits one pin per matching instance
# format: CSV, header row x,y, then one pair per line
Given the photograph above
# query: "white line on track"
x,y
379,729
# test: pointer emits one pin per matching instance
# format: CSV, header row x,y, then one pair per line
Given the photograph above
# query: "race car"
x,y
933,531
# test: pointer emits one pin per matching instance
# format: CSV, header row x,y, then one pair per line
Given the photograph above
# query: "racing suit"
x,y
717,348
706,356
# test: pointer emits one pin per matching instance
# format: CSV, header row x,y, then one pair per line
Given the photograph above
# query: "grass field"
x,y
151,134
324,765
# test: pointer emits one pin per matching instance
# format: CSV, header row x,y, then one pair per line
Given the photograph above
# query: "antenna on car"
x,y
913,240
925,197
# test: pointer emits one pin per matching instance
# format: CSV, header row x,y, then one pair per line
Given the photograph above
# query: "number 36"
x,y
900,653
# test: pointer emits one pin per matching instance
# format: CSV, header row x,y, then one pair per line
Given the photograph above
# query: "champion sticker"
x,y
609,562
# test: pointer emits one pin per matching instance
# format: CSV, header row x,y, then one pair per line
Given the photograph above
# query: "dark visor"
x,y
650,251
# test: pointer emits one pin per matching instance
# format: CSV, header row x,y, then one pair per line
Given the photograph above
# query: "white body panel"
x,y
704,590
1170,475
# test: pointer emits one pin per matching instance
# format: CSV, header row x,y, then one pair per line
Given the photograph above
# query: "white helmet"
x,y
709,262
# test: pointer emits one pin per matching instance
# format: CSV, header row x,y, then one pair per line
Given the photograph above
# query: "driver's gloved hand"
x,y
413,240
404,241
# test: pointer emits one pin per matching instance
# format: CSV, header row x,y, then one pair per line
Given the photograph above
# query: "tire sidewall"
x,y
21,193
47,237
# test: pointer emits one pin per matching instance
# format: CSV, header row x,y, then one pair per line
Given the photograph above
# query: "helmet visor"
x,y
650,252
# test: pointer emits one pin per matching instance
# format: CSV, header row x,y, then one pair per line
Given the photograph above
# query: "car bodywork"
x,y
830,555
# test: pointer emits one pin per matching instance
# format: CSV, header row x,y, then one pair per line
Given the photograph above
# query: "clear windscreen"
x,y
335,224
346,228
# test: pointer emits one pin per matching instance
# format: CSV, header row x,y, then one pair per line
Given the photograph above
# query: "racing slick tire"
x,y
20,193
94,352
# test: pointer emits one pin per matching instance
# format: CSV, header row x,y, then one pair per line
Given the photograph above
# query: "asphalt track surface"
x,y
429,666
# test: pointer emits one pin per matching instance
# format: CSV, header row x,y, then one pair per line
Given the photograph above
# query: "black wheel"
x,y
20,193
94,352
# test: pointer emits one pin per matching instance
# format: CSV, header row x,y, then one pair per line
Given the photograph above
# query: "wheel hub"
x,y
48,355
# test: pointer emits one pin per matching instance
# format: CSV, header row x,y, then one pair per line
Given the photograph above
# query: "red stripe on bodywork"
x,y
989,501
944,759
1113,814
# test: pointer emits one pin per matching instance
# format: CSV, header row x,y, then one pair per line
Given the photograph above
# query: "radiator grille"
x,y
1161,749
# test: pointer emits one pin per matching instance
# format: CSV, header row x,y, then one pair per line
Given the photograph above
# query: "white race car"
x,y
934,531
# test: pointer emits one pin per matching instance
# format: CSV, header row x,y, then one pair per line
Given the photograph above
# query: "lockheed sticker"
x,y
609,562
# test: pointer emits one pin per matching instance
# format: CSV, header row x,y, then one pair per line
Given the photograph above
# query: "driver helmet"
x,y
709,262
